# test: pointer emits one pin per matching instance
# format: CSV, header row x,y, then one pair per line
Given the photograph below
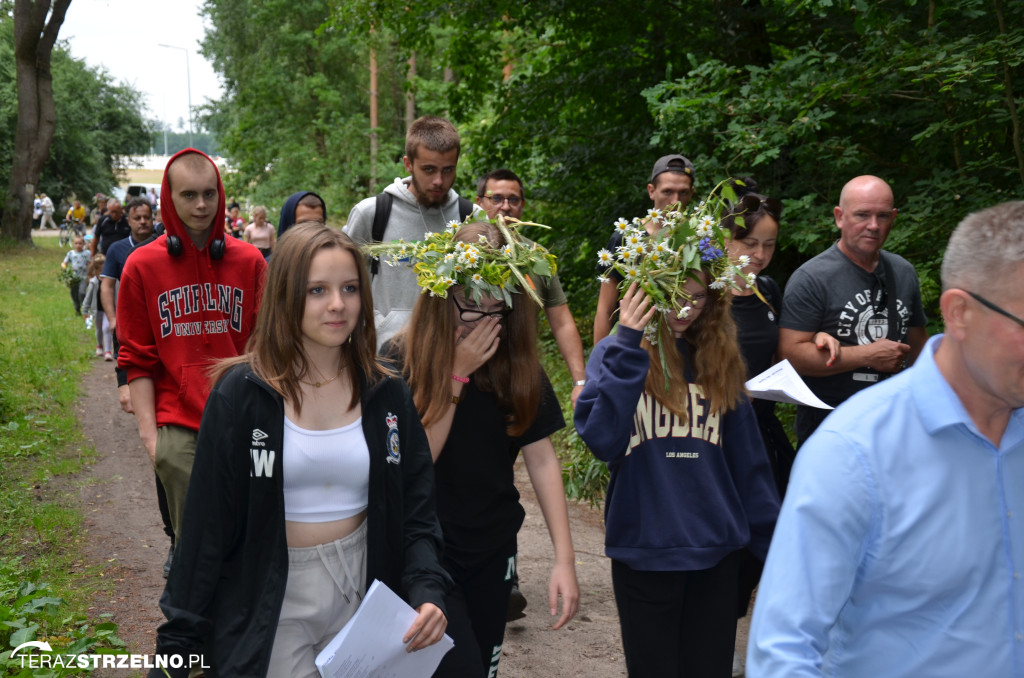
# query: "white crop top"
x,y
326,473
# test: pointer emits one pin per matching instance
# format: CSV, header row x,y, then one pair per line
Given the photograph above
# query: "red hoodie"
x,y
177,315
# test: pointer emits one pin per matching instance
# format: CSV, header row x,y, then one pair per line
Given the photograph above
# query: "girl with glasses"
x,y
470,358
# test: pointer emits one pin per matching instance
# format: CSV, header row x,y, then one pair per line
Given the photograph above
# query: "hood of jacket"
x,y
173,224
287,218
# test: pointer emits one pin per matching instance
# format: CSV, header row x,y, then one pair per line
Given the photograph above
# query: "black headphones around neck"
x,y
175,248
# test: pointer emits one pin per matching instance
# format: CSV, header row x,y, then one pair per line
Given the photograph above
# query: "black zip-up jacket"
x,y
224,594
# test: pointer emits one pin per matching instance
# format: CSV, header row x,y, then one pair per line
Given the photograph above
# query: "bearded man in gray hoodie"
x,y
423,202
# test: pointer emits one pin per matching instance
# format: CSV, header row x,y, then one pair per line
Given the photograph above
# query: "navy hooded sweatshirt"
x,y
683,494
287,218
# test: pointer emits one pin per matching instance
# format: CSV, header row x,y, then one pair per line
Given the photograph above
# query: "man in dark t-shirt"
x,y
868,299
112,227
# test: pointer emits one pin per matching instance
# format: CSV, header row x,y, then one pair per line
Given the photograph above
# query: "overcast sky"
x,y
124,37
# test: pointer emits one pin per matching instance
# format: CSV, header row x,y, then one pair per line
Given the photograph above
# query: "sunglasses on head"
x,y
749,204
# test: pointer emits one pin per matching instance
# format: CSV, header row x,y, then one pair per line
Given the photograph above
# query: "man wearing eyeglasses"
x,y
501,192
867,298
671,182
897,551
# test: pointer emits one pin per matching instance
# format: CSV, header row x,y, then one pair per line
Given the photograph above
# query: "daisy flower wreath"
x,y
686,243
440,261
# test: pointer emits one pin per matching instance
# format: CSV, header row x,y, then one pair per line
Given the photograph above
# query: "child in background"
x,y
94,310
77,261
91,300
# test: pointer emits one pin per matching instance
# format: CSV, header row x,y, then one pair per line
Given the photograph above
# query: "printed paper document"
x,y
781,383
370,644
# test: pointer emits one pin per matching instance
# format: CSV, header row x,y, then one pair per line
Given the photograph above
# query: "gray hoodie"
x,y
394,287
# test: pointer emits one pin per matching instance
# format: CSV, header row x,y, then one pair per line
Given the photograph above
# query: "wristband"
x,y
580,382
464,380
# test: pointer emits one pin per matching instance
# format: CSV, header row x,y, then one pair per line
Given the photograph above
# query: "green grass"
x,y
44,351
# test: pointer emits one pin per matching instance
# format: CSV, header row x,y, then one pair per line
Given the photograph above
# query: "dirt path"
x,y
125,533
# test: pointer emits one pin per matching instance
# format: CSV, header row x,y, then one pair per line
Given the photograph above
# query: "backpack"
x,y
383,213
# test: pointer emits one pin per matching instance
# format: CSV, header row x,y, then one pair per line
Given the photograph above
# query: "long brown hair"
x,y
274,350
717,365
512,373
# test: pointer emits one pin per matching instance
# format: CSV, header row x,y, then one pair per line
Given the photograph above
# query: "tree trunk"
x,y
410,92
374,120
34,37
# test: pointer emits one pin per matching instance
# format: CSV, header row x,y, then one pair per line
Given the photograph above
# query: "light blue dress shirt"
x,y
900,546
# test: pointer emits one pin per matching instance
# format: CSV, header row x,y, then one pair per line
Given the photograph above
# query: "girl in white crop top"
x,y
312,340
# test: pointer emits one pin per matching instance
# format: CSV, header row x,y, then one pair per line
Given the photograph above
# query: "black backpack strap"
x,y
465,208
380,223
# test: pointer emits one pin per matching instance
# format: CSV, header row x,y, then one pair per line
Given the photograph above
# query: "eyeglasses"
x,y
472,315
513,200
1001,311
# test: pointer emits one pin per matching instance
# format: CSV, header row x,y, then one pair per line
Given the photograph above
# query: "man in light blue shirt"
x,y
897,551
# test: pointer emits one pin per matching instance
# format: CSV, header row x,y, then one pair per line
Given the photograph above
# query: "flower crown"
x,y
440,261
685,244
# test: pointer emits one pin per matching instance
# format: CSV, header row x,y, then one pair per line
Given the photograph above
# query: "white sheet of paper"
x,y
370,644
781,383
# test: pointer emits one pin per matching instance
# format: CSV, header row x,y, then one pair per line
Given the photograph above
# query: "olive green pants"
x,y
175,451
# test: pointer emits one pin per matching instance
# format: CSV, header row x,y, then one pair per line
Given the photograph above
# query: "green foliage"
x,y
29,611
584,475
98,124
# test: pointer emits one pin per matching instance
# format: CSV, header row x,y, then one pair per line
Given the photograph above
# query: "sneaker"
x,y
108,356
516,605
737,665
167,563
99,351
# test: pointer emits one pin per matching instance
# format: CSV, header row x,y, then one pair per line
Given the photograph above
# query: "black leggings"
x,y
76,297
677,624
477,607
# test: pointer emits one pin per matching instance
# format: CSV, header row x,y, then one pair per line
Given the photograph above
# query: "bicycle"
x,y
69,228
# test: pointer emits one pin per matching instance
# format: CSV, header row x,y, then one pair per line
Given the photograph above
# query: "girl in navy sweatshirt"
x,y
691,484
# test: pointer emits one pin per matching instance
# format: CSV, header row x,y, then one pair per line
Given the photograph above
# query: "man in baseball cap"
x,y
671,182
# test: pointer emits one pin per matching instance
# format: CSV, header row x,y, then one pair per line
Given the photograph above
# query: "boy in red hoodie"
x,y
187,299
